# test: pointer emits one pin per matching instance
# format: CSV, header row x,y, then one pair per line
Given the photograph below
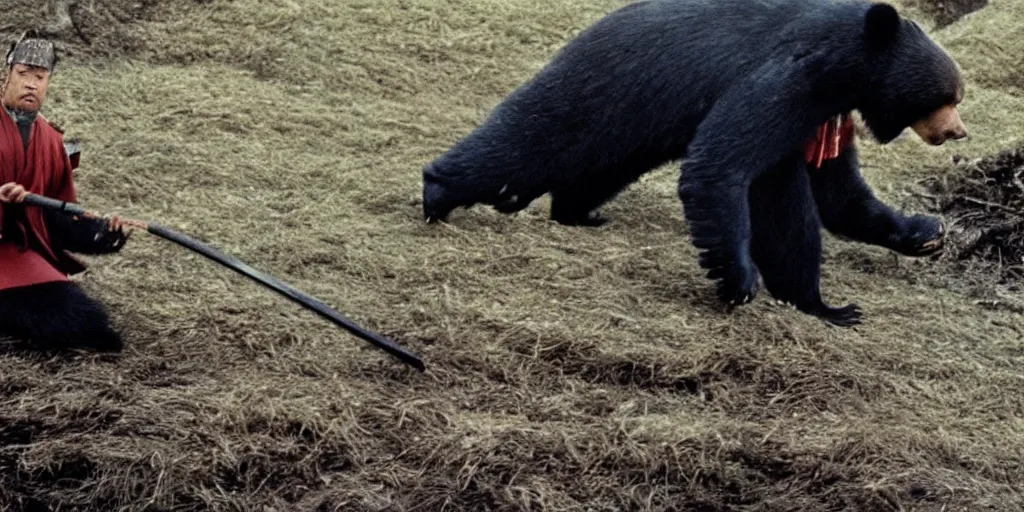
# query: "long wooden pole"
x,y
244,269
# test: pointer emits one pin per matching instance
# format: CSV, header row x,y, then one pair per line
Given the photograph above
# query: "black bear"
x,y
755,98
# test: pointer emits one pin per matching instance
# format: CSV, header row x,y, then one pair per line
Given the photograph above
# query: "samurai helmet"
x,y
32,50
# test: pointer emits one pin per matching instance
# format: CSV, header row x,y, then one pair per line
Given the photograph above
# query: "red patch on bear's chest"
x,y
829,140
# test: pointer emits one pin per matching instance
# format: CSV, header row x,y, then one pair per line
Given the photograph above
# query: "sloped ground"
x,y
942,13
983,202
987,206
567,368
82,28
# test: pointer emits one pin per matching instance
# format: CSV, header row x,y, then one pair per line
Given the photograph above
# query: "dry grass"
x,y
568,368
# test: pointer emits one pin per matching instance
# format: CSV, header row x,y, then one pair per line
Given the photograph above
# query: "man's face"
x,y
26,88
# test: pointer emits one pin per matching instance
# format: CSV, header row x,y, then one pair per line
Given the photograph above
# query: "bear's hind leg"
x,y
57,315
576,204
848,208
786,242
513,198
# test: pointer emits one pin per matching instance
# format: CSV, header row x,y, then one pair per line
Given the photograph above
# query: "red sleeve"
x,y
8,150
49,174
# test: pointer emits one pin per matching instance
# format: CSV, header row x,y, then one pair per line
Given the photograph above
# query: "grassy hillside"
x,y
568,368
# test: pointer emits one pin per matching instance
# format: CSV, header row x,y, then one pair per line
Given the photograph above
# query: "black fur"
x,y
786,241
732,87
849,209
57,315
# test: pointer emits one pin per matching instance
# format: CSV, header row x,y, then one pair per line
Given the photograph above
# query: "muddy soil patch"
x,y
982,201
984,204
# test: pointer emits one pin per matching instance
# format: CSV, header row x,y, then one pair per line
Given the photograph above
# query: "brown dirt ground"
x,y
983,203
568,369
987,203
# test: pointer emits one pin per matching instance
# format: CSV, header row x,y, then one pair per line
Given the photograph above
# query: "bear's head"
x,y
912,82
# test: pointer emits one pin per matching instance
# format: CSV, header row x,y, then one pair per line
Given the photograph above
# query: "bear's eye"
x,y
951,96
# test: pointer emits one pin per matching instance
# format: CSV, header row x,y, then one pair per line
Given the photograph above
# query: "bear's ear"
x,y
881,24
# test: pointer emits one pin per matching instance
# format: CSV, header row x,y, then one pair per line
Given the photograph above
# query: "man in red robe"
x,y
38,302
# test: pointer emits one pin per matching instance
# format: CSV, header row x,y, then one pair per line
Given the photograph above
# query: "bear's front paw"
x,y
846,316
737,284
591,220
922,235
